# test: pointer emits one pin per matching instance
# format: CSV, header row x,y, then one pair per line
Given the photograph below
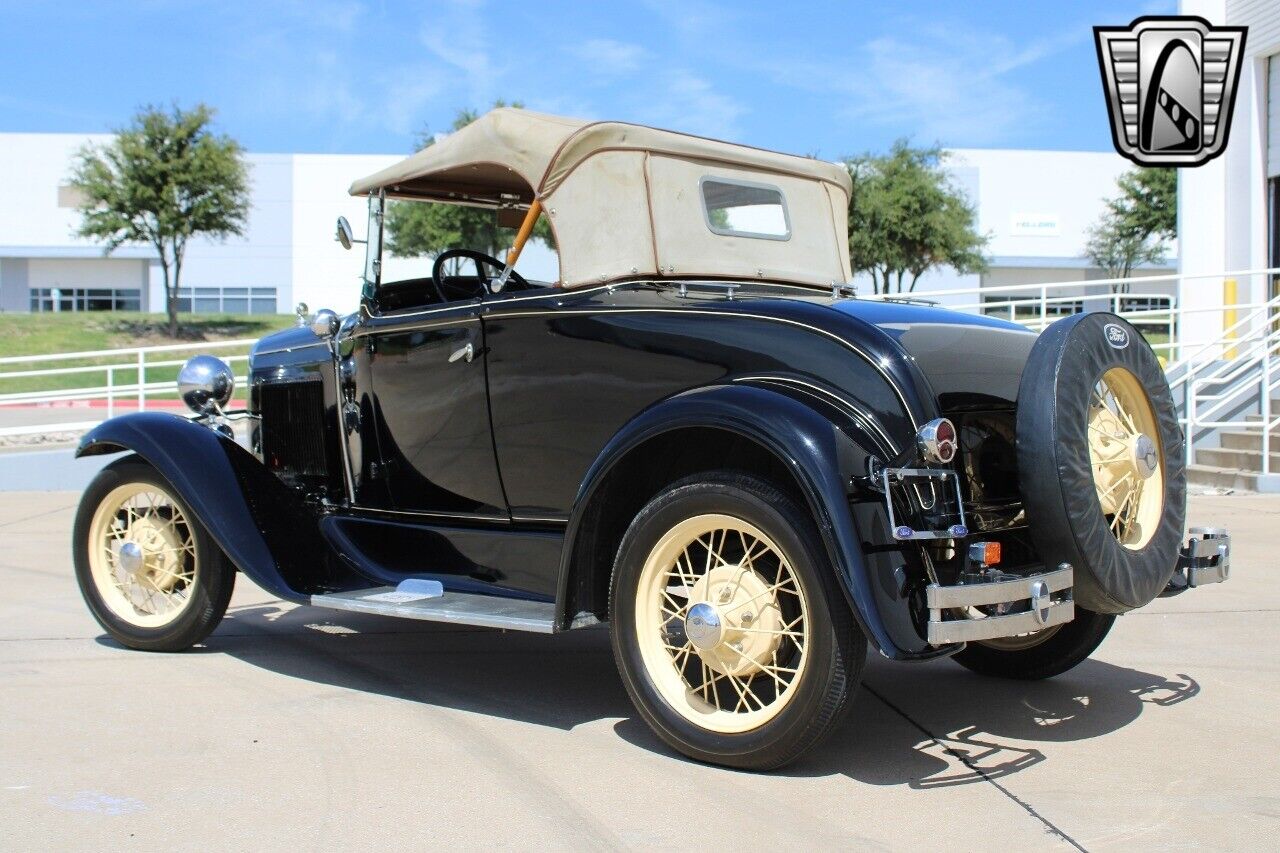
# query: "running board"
x,y
426,600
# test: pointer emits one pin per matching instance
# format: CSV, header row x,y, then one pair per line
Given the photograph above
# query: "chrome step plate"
x,y
484,611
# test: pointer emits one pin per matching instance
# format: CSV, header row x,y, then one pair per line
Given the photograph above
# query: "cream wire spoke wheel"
x,y
142,555
722,623
1126,457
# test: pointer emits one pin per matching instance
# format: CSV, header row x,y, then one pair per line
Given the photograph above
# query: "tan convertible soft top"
x,y
624,200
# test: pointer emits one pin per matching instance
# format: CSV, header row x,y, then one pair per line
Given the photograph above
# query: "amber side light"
x,y
987,553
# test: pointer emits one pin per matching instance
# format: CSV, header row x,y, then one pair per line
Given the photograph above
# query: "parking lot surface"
x,y
309,729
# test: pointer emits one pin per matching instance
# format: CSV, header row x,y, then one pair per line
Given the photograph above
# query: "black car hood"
x,y
972,362
286,339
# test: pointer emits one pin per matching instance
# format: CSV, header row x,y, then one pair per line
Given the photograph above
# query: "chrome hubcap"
x,y
702,626
131,559
1145,461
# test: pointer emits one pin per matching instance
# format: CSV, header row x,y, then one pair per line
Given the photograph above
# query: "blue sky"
x,y
828,78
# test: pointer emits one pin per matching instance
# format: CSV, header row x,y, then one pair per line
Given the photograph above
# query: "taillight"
x,y
937,441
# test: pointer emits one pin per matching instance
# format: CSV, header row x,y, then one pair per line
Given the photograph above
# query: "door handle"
x,y
466,353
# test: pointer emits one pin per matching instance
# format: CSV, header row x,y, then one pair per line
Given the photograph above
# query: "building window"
x,y
84,299
1028,307
227,300
1273,231
69,196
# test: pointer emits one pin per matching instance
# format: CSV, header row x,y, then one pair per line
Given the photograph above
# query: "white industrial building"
x,y
1035,205
1229,208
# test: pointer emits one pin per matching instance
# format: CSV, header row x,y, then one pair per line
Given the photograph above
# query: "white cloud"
x,y
939,92
608,56
681,100
947,84
462,37
409,92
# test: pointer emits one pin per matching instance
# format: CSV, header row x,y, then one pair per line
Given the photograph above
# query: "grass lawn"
x,y
38,334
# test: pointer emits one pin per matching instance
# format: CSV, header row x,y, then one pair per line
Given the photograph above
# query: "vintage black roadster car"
x,y
698,434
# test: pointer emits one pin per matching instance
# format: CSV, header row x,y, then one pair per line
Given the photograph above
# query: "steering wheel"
x,y
481,261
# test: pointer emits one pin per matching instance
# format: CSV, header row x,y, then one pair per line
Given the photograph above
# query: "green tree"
x,y
161,180
424,229
1137,224
906,217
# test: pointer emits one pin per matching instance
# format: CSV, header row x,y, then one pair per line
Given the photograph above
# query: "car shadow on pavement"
x,y
925,726
560,680
939,725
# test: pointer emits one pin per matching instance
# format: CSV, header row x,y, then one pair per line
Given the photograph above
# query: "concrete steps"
x,y
1211,476
1237,464
1244,460
1248,440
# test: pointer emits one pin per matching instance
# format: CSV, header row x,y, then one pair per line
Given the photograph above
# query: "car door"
x,y
435,440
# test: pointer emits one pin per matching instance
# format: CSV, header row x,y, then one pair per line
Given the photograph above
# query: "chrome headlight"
x,y
205,384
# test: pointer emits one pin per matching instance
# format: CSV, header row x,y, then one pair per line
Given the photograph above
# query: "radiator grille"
x,y
294,434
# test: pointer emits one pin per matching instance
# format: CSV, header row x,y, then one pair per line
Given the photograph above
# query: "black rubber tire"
x,y
214,584
837,645
1069,646
1054,470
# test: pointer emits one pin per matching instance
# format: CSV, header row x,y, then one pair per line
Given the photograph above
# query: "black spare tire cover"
x,y
1055,471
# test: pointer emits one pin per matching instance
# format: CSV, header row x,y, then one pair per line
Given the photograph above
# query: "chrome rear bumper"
x,y
1044,600
1205,559
1038,601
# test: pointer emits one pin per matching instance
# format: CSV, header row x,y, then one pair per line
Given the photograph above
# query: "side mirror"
x,y
344,236
325,323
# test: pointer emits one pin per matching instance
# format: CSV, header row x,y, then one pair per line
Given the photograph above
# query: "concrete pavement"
x,y
306,729
25,470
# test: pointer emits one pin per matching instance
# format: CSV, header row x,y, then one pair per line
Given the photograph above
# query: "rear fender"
x,y
256,520
820,446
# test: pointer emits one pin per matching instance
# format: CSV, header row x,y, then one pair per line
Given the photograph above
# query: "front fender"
x,y
819,454
257,522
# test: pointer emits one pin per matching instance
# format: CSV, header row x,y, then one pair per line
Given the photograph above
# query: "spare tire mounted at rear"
x,y
1100,461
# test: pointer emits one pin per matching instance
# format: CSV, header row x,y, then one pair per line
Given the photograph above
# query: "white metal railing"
x,y
1032,304
1238,369
117,376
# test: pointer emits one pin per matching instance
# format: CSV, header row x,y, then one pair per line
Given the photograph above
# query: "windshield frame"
x,y
372,275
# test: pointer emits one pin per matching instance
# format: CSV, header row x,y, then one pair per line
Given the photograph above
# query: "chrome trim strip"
x,y
566,293
556,292
537,519
818,390
289,349
429,514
